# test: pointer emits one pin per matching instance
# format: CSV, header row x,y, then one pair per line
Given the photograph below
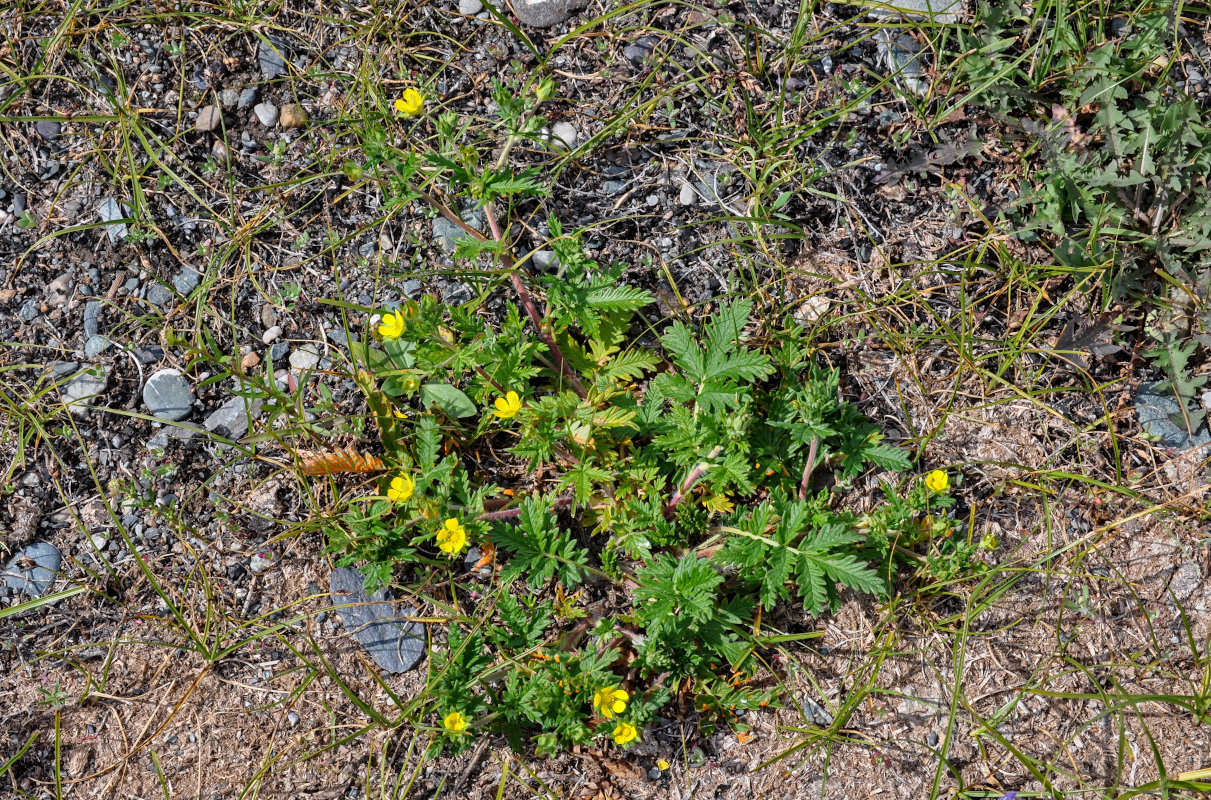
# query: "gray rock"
x,y
1160,416
686,197
92,317
279,351
614,187
412,287
262,562
1185,581
816,713
48,129
270,336
470,7
641,49
447,234
109,210
545,13
29,311
186,281
305,357
943,11
395,643
82,387
902,57
32,570
266,114
209,118
167,395
229,98
247,99
457,293
230,420
269,54
563,135
96,345
544,260
159,295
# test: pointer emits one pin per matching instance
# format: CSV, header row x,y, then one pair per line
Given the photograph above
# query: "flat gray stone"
x,y
48,128
269,54
247,99
395,643
544,260
1186,581
186,281
943,11
230,420
168,396
96,345
83,387
32,571
1158,414
545,13
159,295
305,357
109,210
470,7
266,114
447,234
229,98
92,317
902,57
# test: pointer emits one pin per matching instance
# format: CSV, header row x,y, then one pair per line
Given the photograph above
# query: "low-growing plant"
x,y
689,481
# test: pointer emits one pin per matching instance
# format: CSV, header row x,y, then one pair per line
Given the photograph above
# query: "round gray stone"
x,y
247,99
32,570
168,396
470,7
266,114
83,387
305,357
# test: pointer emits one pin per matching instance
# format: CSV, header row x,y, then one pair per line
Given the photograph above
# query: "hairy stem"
x,y
690,480
807,468
515,512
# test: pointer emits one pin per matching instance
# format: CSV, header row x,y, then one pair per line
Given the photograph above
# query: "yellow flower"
x,y
937,481
610,700
410,103
662,765
452,536
454,722
400,488
392,324
625,733
507,406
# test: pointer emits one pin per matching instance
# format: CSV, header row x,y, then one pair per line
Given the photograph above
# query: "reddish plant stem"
x,y
512,513
532,310
807,469
688,483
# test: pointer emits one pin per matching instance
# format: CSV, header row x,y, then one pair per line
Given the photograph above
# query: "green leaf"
x,y
449,399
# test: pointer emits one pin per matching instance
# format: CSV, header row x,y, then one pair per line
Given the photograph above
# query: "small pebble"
x,y
292,116
48,128
470,7
209,118
250,360
229,98
271,335
293,718
266,114
247,99
686,198
261,562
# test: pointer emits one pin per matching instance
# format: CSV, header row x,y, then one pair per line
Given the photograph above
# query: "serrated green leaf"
x,y
450,399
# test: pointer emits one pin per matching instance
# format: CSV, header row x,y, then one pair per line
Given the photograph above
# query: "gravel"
x,y
470,7
269,56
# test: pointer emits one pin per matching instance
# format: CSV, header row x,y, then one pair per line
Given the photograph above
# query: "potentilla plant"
x,y
677,485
